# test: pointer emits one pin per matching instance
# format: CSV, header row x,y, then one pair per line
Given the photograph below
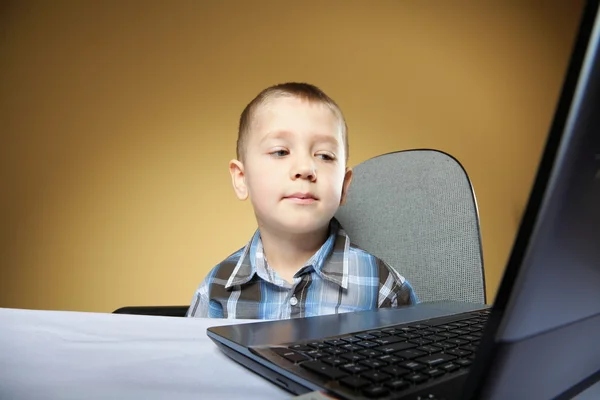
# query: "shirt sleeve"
x,y
201,306
394,289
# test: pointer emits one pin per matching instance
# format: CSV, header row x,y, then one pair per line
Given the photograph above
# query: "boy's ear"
x,y
346,185
238,179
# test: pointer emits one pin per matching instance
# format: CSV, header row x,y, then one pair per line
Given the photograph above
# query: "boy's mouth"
x,y
302,198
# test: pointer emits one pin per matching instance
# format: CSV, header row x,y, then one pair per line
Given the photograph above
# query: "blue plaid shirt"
x,y
339,277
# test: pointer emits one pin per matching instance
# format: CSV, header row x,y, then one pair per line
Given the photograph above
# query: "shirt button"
x,y
293,301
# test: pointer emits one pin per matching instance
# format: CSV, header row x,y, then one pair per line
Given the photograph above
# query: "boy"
x,y
292,150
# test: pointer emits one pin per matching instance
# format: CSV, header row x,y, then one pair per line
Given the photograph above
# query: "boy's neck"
x,y
287,253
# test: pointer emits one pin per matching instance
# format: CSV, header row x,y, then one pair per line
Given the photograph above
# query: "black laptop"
x,y
541,337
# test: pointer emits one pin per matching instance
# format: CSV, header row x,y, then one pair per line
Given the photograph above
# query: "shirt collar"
x,y
330,262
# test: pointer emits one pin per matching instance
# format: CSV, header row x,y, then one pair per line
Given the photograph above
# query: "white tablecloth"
x,y
75,355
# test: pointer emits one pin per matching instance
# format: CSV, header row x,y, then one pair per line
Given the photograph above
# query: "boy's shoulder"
x,y
361,253
224,269
231,260
233,257
383,267
356,249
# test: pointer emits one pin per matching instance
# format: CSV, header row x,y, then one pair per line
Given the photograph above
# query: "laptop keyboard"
x,y
379,363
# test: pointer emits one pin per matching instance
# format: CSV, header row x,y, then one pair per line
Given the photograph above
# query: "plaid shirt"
x,y
339,277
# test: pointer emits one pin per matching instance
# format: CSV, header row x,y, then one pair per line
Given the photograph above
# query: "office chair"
x,y
416,210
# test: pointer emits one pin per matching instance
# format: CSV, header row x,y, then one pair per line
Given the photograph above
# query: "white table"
x,y
76,355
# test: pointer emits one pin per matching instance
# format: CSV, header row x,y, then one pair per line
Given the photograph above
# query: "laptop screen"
x,y
547,312
557,249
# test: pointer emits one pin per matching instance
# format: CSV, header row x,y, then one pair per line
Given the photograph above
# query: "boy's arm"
x,y
201,306
394,289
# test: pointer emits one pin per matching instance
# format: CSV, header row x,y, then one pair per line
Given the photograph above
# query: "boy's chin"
x,y
303,227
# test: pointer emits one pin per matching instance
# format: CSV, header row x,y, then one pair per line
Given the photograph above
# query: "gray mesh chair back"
x,y
417,211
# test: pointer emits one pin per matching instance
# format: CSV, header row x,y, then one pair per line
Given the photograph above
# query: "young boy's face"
x,y
294,168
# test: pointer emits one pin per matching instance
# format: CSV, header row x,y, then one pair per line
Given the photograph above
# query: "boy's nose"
x,y
304,171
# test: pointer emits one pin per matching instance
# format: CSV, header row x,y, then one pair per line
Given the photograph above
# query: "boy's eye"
x,y
326,157
279,153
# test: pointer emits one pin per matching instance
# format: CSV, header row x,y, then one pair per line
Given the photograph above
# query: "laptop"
x,y
541,337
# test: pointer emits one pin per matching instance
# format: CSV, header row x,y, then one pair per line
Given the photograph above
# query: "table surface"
x,y
79,355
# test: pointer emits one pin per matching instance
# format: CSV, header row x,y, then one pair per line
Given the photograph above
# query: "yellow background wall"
x,y
118,119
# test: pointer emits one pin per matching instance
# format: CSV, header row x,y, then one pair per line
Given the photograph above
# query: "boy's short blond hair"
x,y
303,91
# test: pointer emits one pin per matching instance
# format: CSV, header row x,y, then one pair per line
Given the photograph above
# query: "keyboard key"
x,y
433,372
335,342
449,367
457,341
354,368
445,346
316,354
351,347
323,369
378,333
458,352
470,348
370,353
429,349
459,324
334,360
395,371
417,378
290,355
419,326
355,382
459,331
421,341
445,327
335,351
365,336
477,321
367,344
390,340
463,362
375,391
391,359
395,347
470,338
436,359
301,347
397,384
412,365
373,363
436,329
436,338
412,335
411,353
407,329
350,339
352,357
318,345
447,335
375,376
